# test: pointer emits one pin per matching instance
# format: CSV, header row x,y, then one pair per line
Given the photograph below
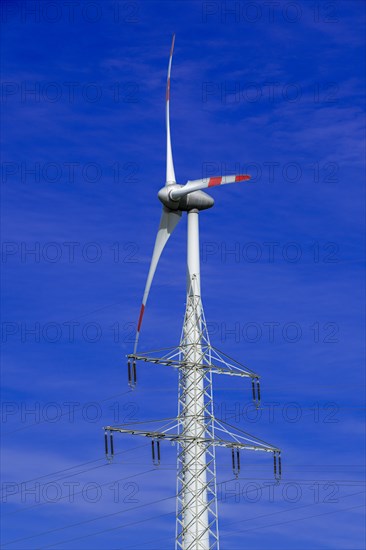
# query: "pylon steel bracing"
x,y
196,518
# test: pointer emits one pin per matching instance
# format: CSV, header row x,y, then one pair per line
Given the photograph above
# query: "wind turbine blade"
x,y
170,174
168,223
196,185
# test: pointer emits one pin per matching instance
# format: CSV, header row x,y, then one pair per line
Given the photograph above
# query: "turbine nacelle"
x,y
198,200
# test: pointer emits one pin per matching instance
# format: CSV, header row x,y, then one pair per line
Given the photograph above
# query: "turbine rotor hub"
x,y
198,200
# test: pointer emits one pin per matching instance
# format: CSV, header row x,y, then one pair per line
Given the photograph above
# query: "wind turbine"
x,y
195,430
177,199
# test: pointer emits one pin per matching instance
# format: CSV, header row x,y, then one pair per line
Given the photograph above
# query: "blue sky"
x,y
275,91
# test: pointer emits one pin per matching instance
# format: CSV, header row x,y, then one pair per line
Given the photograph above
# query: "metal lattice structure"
x,y
196,518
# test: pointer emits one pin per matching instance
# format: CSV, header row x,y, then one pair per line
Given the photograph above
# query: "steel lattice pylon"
x,y
196,464
195,430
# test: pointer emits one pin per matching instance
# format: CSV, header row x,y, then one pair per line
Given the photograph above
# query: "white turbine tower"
x,y
195,430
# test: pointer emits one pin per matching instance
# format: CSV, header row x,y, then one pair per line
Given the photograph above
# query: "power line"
x,y
344,482
261,527
247,519
262,516
87,521
78,492
83,464
285,510
108,530
98,517
161,515
63,414
297,519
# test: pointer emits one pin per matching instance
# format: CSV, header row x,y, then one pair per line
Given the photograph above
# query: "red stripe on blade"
x,y
242,178
214,181
140,317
